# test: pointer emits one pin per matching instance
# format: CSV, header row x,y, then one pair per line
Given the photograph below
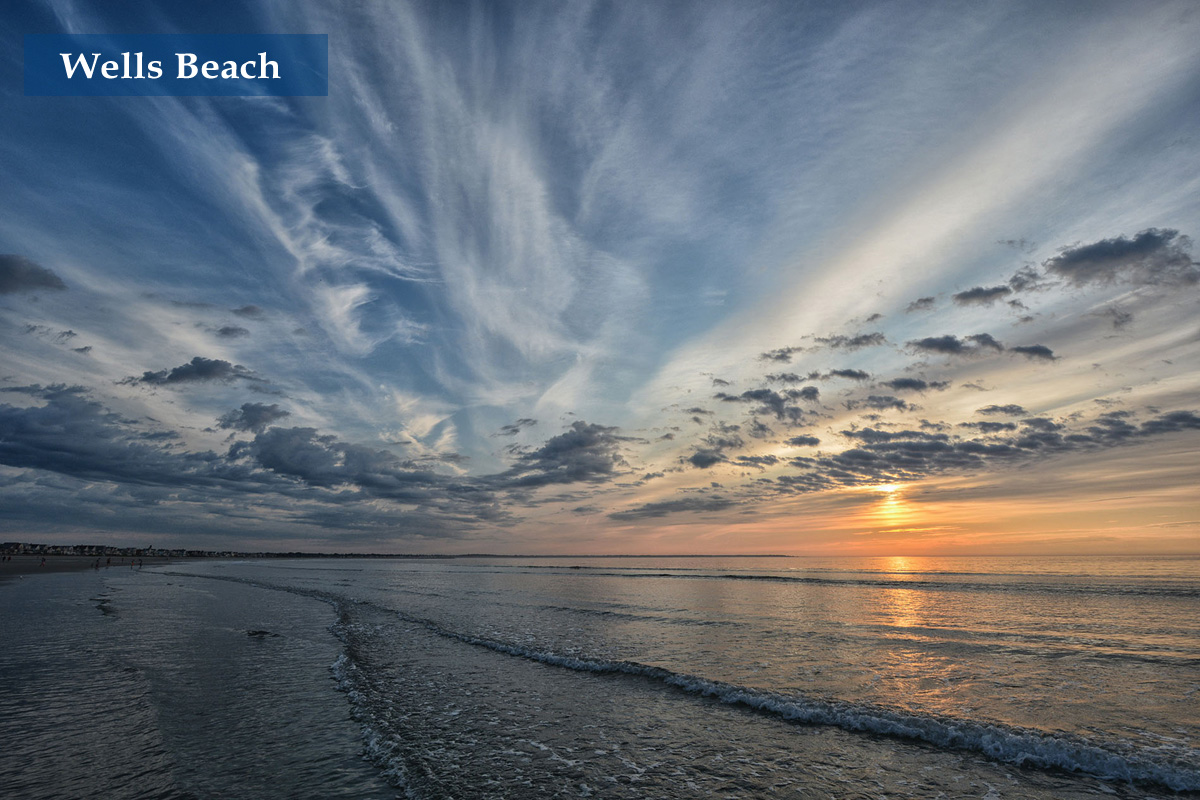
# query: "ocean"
x,y
605,677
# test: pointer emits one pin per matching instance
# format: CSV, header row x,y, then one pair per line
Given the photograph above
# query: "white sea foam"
x,y
1006,743
380,749
1108,759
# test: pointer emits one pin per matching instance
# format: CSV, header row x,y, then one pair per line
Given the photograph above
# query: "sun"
x,y
890,508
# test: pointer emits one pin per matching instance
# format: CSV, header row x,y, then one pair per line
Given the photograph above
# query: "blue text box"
x,y
229,65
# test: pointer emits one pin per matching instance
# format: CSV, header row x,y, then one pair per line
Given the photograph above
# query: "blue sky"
x,y
614,277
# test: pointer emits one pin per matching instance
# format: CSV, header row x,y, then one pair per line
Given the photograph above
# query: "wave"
x,y
948,640
1183,590
380,750
1024,747
657,619
1010,744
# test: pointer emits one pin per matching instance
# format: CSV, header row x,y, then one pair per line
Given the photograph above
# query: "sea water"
x,y
605,677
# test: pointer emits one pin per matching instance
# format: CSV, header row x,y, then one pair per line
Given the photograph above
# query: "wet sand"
x,y
21,566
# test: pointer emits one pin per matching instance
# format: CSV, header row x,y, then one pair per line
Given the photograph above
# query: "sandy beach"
x,y
32,565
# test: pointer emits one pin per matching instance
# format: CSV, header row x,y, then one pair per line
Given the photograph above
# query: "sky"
x,y
839,278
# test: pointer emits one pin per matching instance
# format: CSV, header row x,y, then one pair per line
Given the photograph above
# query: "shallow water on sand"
x,y
606,677
120,684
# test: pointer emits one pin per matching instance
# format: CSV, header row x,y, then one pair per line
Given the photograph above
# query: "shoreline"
x,y
22,565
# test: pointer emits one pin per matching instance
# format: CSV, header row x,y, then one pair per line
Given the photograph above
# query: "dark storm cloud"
x,y
422,461
975,344
345,472
19,274
883,456
1027,279
759,429
793,378
921,304
878,402
1153,256
803,441
783,355
989,427
45,392
758,462
1012,410
48,333
322,460
199,369
250,312
73,435
853,342
1112,427
1035,351
946,345
724,436
986,340
721,437
252,417
876,436
514,428
981,295
585,452
232,332
914,385
780,404
665,507
849,374
892,460
1173,422
705,458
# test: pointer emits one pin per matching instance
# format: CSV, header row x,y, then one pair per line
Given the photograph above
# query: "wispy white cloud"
x,y
601,216
1041,134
